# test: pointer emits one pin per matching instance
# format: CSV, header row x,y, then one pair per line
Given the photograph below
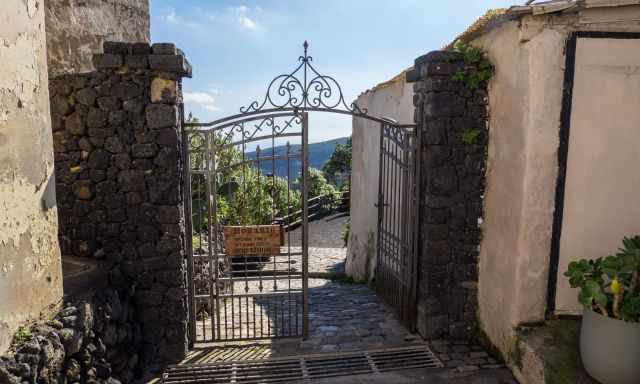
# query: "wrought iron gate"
x,y
397,260
263,294
236,183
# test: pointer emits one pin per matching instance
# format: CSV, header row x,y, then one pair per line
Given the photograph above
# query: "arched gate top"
x,y
304,89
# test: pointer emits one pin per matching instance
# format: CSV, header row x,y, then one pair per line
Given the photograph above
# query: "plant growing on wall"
x,y
610,285
477,70
470,136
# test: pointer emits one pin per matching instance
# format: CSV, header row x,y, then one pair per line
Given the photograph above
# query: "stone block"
x,y
86,96
127,90
167,158
74,123
160,116
108,103
118,117
432,327
436,132
140,48
113,144
107,60
442,181
97,118
167,137
143,150
168,215
164,49
83,189
164,91
116,47
171,63
443,104
131,180
437,252
136,61
99,159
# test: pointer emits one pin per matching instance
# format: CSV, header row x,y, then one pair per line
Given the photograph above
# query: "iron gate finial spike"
x,y
305,45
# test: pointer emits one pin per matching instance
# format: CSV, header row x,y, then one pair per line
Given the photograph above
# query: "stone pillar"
x,y
453,122
117,142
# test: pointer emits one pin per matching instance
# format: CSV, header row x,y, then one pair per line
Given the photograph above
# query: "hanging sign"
x,y
252,240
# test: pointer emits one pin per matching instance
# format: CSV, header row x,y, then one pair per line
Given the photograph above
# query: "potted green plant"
x,y
610,331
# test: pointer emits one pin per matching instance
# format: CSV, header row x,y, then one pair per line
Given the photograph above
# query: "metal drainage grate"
x,y
287,369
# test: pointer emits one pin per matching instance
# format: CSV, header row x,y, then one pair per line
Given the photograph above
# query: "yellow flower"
x,y
615,286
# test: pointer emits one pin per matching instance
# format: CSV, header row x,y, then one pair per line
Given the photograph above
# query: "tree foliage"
x,y
338,163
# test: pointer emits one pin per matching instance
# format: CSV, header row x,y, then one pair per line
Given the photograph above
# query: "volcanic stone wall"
x,y
118,161
96,341
453,121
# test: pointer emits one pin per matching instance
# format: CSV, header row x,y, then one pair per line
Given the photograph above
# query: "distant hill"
x,y
319,153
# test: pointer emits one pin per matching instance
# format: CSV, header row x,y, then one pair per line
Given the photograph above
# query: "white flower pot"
x,y
610,349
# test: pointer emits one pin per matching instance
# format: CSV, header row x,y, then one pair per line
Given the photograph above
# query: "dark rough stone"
x,y
60,105
168,214
83,189
126,91
113,144
136,61
118,173
442,181
161,116
74,124
167,137
122,161
134,105
453,184
115,47
86,96
108,103
106,60
140,48
97,118
99,159
143,150
444,104
131,180
166,158
164,49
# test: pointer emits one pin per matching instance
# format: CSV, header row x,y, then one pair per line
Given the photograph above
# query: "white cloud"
x,y
240,16
205,100
173,18
247,23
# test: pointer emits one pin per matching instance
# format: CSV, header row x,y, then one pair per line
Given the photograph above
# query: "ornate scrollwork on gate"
x,y
247,130
305,87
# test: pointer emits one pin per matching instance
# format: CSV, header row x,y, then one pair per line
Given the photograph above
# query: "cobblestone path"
x,y
347,317
327,252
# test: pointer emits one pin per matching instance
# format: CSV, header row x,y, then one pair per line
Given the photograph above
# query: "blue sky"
x,y
237,47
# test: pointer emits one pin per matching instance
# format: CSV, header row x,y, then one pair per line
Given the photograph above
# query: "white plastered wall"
x,y
393,100
602,183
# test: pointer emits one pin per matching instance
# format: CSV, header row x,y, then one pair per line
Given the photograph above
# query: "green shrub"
x,y
610,285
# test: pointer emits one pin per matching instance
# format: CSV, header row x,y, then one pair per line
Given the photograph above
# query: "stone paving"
x,y
327,252
347,317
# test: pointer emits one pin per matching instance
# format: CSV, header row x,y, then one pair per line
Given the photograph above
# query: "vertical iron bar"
x,y
305,225
397,195
415,226
189,231
378,271
208,165
288,231
402,227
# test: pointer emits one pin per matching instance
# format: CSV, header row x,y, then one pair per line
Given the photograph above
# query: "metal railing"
x,y
319,206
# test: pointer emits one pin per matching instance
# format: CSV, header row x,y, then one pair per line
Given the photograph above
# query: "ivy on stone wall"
x,y
478,69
